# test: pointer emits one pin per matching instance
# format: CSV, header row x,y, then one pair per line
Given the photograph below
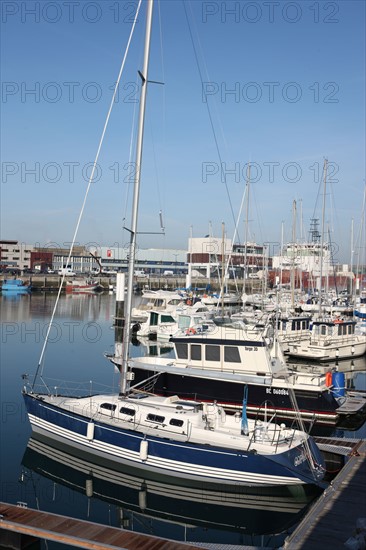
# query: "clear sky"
x,y
278,84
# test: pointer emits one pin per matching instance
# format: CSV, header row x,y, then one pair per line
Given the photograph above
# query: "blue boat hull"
x,y
245,510
172,458
15,285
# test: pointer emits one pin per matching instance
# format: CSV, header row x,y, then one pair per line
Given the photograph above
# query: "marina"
x,y
160,398
167,435
33,472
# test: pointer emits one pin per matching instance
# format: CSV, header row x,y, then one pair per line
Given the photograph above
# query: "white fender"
x,y
89,488
90,431
144,449
143,499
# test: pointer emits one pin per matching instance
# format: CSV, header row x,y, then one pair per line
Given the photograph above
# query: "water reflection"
x,y
38,305
152,348
200,513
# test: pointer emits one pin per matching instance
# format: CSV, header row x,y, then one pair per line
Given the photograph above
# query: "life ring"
x,y
189,302
338,321
191,331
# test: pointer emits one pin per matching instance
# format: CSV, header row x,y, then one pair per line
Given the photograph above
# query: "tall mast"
x,y
294,249
322,236
222,268
124,383
282,254
246,229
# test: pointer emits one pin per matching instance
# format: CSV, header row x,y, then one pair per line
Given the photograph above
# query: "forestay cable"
x,y
40,362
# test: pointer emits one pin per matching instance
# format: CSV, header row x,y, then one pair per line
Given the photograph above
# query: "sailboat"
x,y
168,435
331,337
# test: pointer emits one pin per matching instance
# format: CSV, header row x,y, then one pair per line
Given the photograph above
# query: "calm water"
x,y
56,482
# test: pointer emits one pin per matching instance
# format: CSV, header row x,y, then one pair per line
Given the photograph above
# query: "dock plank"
x,y
332,519
84,534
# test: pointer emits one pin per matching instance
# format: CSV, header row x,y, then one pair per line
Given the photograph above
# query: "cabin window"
x,y
342,330
108,406
154,318
196,352
231,354
304,324
183,322
155,418
167,319
351,329
126,410
182,350
176,422
212,353
323,330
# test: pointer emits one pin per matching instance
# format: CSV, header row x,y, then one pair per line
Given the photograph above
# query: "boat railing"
x,y
59,387
270,431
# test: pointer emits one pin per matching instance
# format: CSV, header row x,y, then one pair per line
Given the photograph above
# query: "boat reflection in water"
x,y
207,512
152,348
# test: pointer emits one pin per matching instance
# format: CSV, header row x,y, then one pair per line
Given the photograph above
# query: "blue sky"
x,y
285,88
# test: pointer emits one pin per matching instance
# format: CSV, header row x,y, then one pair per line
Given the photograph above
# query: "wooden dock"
x,y
332,520
74,532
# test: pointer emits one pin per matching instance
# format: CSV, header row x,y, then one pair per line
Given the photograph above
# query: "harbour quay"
x,y
206,260
51,282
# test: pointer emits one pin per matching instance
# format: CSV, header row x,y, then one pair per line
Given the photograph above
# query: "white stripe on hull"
x,y
157,464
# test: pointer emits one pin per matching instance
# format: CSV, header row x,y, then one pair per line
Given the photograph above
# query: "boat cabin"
x,y
224,348
338,328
